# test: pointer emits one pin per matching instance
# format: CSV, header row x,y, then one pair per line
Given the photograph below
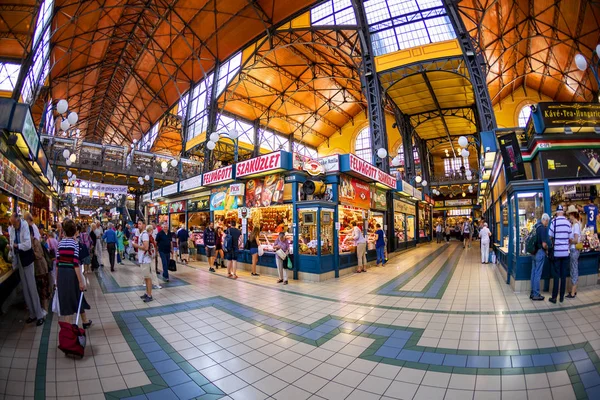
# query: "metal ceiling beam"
x,y
275,114
462,112
439,108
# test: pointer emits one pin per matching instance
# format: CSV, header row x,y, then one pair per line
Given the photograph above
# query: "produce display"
x,y
271,219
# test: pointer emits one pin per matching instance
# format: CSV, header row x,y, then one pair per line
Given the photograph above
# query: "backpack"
x,y
531,241
228,242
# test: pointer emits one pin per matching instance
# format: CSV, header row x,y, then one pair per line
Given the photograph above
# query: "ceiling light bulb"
x,y
418,179
62,106
382,153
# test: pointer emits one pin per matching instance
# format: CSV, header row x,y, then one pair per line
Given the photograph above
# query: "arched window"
x,y
362,145
524,115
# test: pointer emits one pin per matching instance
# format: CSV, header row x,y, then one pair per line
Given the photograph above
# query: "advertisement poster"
x,y
177,207
378,200
164,209
511,156
355,193
13,181
203,203
555,116
220,200
264,192
569,163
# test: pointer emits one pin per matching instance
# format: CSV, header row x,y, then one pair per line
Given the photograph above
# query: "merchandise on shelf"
x,y
271,219
346,216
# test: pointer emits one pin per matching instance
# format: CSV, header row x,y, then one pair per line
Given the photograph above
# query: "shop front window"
x,y
347,215
198,220
410,227
271,221
177,220
327,232
531,208
400,227
307,239
374,219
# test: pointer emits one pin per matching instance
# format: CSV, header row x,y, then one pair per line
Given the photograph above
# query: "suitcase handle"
x,y
79,309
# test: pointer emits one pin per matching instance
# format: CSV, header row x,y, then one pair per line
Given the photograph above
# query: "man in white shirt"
x,y
438,232
361,248
484,235
143,255
20,245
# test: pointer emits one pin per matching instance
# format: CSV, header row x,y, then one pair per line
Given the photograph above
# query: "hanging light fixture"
x,y
73,157
173,163
211,145
214,137
164,165
418,179
424,183
66,153
62,106
464,194
463,141
382,153
233,134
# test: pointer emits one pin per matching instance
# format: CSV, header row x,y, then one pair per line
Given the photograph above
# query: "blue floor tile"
x,y
164,394
165,366
478,362
521,361
593,393
453,360
395,342
150,347
384,331
389,352
139,397
176,377
324,328
561,357
156,356
578,354
370,329
143,339
585,366
402,334
590,379
432,358
334,322
409,355
188,391
541,360
298,330
314,335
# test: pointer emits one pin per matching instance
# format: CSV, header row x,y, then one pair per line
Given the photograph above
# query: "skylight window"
x,y
333,12
227,71
8,76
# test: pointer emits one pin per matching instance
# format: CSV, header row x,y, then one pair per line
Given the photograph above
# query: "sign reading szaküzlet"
x,y
368,170
258,165
217,176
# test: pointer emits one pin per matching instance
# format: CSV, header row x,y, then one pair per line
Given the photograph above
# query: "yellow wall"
x,y
507,111
344,143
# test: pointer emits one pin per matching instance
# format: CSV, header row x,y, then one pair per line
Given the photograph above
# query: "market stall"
x,y
177,214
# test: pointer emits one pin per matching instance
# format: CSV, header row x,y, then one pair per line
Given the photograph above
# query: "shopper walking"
x,y
281,244
98,231
231,247
23,259
53,250
539,259
447,232
210,243
182,238
361,248
110,237
561,234
252,245
145,259
120,245
69,276
380,245
438,232
163,242
220,254
466,233
574,253
484,236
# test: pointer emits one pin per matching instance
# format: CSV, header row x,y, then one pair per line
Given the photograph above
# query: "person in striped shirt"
x,y
561,234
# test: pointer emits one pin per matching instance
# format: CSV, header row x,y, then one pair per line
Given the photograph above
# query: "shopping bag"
x,y
172,265
55,303
289,263
281,254
261,250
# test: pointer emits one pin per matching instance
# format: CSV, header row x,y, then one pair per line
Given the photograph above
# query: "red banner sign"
x,y
370,171
217,176
355,193
258,165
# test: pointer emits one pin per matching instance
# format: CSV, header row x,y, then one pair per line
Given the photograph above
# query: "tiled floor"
x,y
432,324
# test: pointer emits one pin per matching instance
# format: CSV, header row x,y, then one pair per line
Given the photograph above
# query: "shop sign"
x,y
171,189
220,200
355,193
439,203
378,199
147,197
258,165
511,157
429,200
371,172
50,175
405,208
569,189
156,194
408,189
555,116
265,192
30,135
569,163
417,194
177,207
190,183
331,163
218,176
243,212
458,202
203,203
13,181
42,160
237,189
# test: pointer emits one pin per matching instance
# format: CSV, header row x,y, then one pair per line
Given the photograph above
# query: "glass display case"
x,y
222,218
530,209
374,219
400,226
347,215
198,220
272,219
327,217
410,227
177,220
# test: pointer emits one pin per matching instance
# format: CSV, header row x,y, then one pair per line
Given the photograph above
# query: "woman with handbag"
x,y
252,245
42,280
70,280
282,248
23,259
574,253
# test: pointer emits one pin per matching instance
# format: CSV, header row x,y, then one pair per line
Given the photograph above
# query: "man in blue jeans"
x,y
163,242
540,258
380,245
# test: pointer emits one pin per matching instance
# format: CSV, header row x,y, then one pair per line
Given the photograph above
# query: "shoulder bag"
x,y
551,247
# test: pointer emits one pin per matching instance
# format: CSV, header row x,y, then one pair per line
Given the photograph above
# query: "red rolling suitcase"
x,y
71,338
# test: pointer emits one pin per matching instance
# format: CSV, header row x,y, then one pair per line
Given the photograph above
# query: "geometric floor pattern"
x,y
431,324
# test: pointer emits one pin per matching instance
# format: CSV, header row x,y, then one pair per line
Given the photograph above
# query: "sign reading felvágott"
x,y
217,176
365,169
258,165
